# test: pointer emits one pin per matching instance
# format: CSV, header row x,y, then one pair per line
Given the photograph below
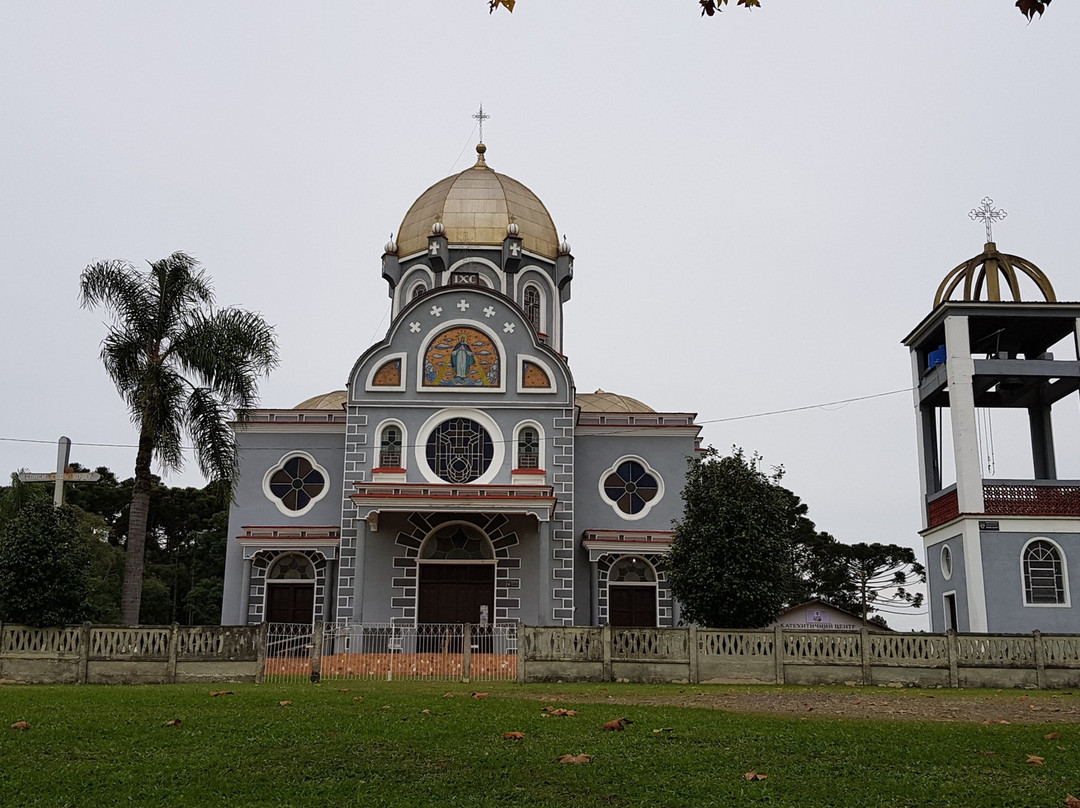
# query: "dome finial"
x,y
987,215
480,147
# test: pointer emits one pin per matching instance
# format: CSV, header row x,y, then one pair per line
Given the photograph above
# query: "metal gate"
x,y
453,652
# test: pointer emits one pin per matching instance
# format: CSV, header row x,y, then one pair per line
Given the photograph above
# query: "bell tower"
x,y
998,551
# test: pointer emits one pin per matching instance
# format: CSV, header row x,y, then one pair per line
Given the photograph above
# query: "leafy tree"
x,y
730,563
181,366
44,566
881,573
18,495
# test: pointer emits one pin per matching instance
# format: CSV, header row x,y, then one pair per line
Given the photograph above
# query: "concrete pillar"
x,y
1042,443
961,369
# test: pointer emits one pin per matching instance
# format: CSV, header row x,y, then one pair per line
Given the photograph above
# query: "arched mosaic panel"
x,y
534,377
461,357
389,375
422,526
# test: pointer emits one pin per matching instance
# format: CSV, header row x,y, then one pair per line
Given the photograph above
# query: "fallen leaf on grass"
x,y
514,736
582,758
284,703
345,690
425,712
23,725
752,776
989,721
1052,736
448,695
386,706
559,711
665,729
221,693
476,695
1034,760
357,698
174,723
618,724
1072,802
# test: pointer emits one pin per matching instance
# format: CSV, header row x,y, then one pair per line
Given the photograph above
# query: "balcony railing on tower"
x,y
1011,498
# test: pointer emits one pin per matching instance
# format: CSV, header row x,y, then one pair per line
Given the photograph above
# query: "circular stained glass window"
x,y
297,483
459,450
631,487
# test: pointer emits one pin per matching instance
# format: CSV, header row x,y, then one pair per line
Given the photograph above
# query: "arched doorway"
x,y
290,590
457,576
632,593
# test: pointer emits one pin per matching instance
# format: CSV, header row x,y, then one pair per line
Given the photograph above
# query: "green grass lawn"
x,y
104,746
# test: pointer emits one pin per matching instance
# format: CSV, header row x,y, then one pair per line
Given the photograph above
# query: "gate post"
x,y
261,642
84,654
1040,660
692,642
953,652
316,652
778,653
174,640
605,641
864,649
466,652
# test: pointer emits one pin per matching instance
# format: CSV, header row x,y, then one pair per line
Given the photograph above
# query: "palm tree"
x,y
183,367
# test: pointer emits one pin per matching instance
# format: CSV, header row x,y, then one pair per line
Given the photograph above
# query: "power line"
x,y
612,430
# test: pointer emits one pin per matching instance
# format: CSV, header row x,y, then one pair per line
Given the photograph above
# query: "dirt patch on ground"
x,y
877,703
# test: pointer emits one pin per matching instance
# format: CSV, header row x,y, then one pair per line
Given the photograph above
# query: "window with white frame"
x,y
532,306
528,448
390,447
1044,574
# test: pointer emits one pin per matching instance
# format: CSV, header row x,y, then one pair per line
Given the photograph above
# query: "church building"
x,y
998,551
460,477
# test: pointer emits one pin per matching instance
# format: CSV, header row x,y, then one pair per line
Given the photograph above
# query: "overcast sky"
x,y
761,204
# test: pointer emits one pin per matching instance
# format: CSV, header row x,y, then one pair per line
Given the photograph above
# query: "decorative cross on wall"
x,y
986,214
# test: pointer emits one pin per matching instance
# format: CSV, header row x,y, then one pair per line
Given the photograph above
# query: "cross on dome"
x,y
480,116
986,214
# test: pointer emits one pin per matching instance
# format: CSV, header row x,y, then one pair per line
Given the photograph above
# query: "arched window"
x,y
1044,574
632,570
531,301
390,447
292,568
418,290
457,541
528,448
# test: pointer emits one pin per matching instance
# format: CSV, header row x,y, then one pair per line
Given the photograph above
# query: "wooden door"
x,y
632,606
454,593
290,603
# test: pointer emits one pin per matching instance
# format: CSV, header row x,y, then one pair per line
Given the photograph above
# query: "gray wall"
x,y
937,585
1006,611
261,451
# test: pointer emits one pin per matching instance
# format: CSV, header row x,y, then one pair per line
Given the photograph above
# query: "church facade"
x,y
459,477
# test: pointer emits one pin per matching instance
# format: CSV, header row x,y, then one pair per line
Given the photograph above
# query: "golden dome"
x,y
993,273
334,400
602,401
476,206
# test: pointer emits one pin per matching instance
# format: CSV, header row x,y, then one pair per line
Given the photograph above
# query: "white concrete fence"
x,y
798,657
109,654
